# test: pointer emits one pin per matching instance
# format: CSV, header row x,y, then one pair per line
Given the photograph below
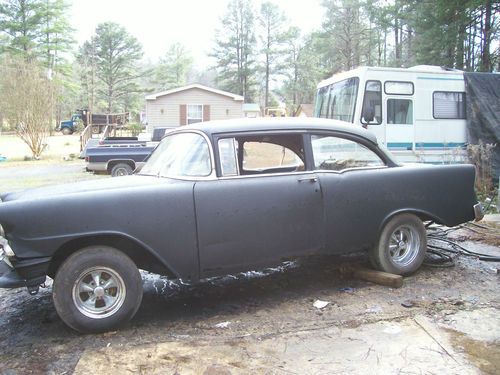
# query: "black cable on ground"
x,y
462,250
435,258
438,256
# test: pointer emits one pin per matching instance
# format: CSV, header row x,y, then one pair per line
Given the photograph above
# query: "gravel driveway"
x,y
266,323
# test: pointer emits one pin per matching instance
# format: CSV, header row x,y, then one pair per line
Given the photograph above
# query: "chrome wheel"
x,y
404,245
121,172
121,169
99,292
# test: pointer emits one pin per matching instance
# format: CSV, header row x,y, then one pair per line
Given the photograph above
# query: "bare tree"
x,y
27,101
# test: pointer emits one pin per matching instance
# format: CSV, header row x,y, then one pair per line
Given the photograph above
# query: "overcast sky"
x,y
159,23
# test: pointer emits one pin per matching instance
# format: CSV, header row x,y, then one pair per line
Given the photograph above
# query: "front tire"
x,y
402,245
97,289
66,131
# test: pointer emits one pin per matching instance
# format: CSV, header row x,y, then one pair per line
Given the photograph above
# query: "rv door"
x,y
400,131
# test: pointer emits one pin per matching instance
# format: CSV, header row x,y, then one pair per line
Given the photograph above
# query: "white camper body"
x,y
418,113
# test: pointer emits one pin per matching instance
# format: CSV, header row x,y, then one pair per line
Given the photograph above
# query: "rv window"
x,y
338,100
399,111
398,88
448,105
372,104
322,101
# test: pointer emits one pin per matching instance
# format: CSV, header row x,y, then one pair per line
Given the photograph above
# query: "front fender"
x,y
156,213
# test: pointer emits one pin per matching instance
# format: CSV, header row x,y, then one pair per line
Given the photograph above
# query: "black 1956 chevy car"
x,y
222,197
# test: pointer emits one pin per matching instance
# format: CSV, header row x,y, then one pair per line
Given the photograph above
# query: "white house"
x,y
190,104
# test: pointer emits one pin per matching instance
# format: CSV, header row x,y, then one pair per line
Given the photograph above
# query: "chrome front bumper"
x,y
4,244
12,277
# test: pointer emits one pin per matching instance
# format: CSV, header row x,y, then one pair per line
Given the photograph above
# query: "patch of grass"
x,y
20,162
16,184
31,174
58,146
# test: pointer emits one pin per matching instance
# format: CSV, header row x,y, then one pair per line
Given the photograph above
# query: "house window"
x,y
194,113
448,105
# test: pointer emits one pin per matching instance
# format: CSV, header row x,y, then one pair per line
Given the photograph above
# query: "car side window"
x,y
228,154
337,154
180,155
261,154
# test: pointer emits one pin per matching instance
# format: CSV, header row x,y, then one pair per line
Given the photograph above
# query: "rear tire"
x,y
402,245
66,131
97,289
121,169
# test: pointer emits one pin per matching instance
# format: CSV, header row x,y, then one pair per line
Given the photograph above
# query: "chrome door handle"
x,y
310,179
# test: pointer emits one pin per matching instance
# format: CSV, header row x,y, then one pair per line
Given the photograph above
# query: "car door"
x,y
254,216
356,185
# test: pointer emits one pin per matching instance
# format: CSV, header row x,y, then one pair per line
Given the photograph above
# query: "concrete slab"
x,y
492,218
410,346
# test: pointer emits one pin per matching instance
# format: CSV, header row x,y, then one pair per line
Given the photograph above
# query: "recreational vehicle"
x,y
418,113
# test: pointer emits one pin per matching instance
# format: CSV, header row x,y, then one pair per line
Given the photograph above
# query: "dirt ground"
x,y
442,321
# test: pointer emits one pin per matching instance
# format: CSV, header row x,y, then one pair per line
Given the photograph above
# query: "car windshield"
x,y
180,155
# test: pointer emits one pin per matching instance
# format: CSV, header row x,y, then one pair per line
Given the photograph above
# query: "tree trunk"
x,y
486,38
396,41
409,55
266,94
459,48
385,47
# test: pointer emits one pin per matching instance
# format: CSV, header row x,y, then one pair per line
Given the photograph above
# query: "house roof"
x,y
251,107
194,86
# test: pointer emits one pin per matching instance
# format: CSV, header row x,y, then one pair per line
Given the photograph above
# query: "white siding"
x,y
165,110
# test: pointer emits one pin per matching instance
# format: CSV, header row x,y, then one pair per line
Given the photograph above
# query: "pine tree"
x,y
235,50
173,69
56,36
113,52
21,23
274,40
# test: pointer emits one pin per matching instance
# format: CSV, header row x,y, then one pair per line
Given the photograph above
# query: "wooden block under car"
x,y
379,277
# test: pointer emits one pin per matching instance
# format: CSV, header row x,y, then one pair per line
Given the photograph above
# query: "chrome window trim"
x,y
316,171
352,169
296,173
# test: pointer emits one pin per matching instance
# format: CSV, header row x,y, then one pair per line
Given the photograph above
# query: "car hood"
x,y
64,190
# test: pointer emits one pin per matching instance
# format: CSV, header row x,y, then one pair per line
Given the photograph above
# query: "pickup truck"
x,y
117,159
120,156
99,121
